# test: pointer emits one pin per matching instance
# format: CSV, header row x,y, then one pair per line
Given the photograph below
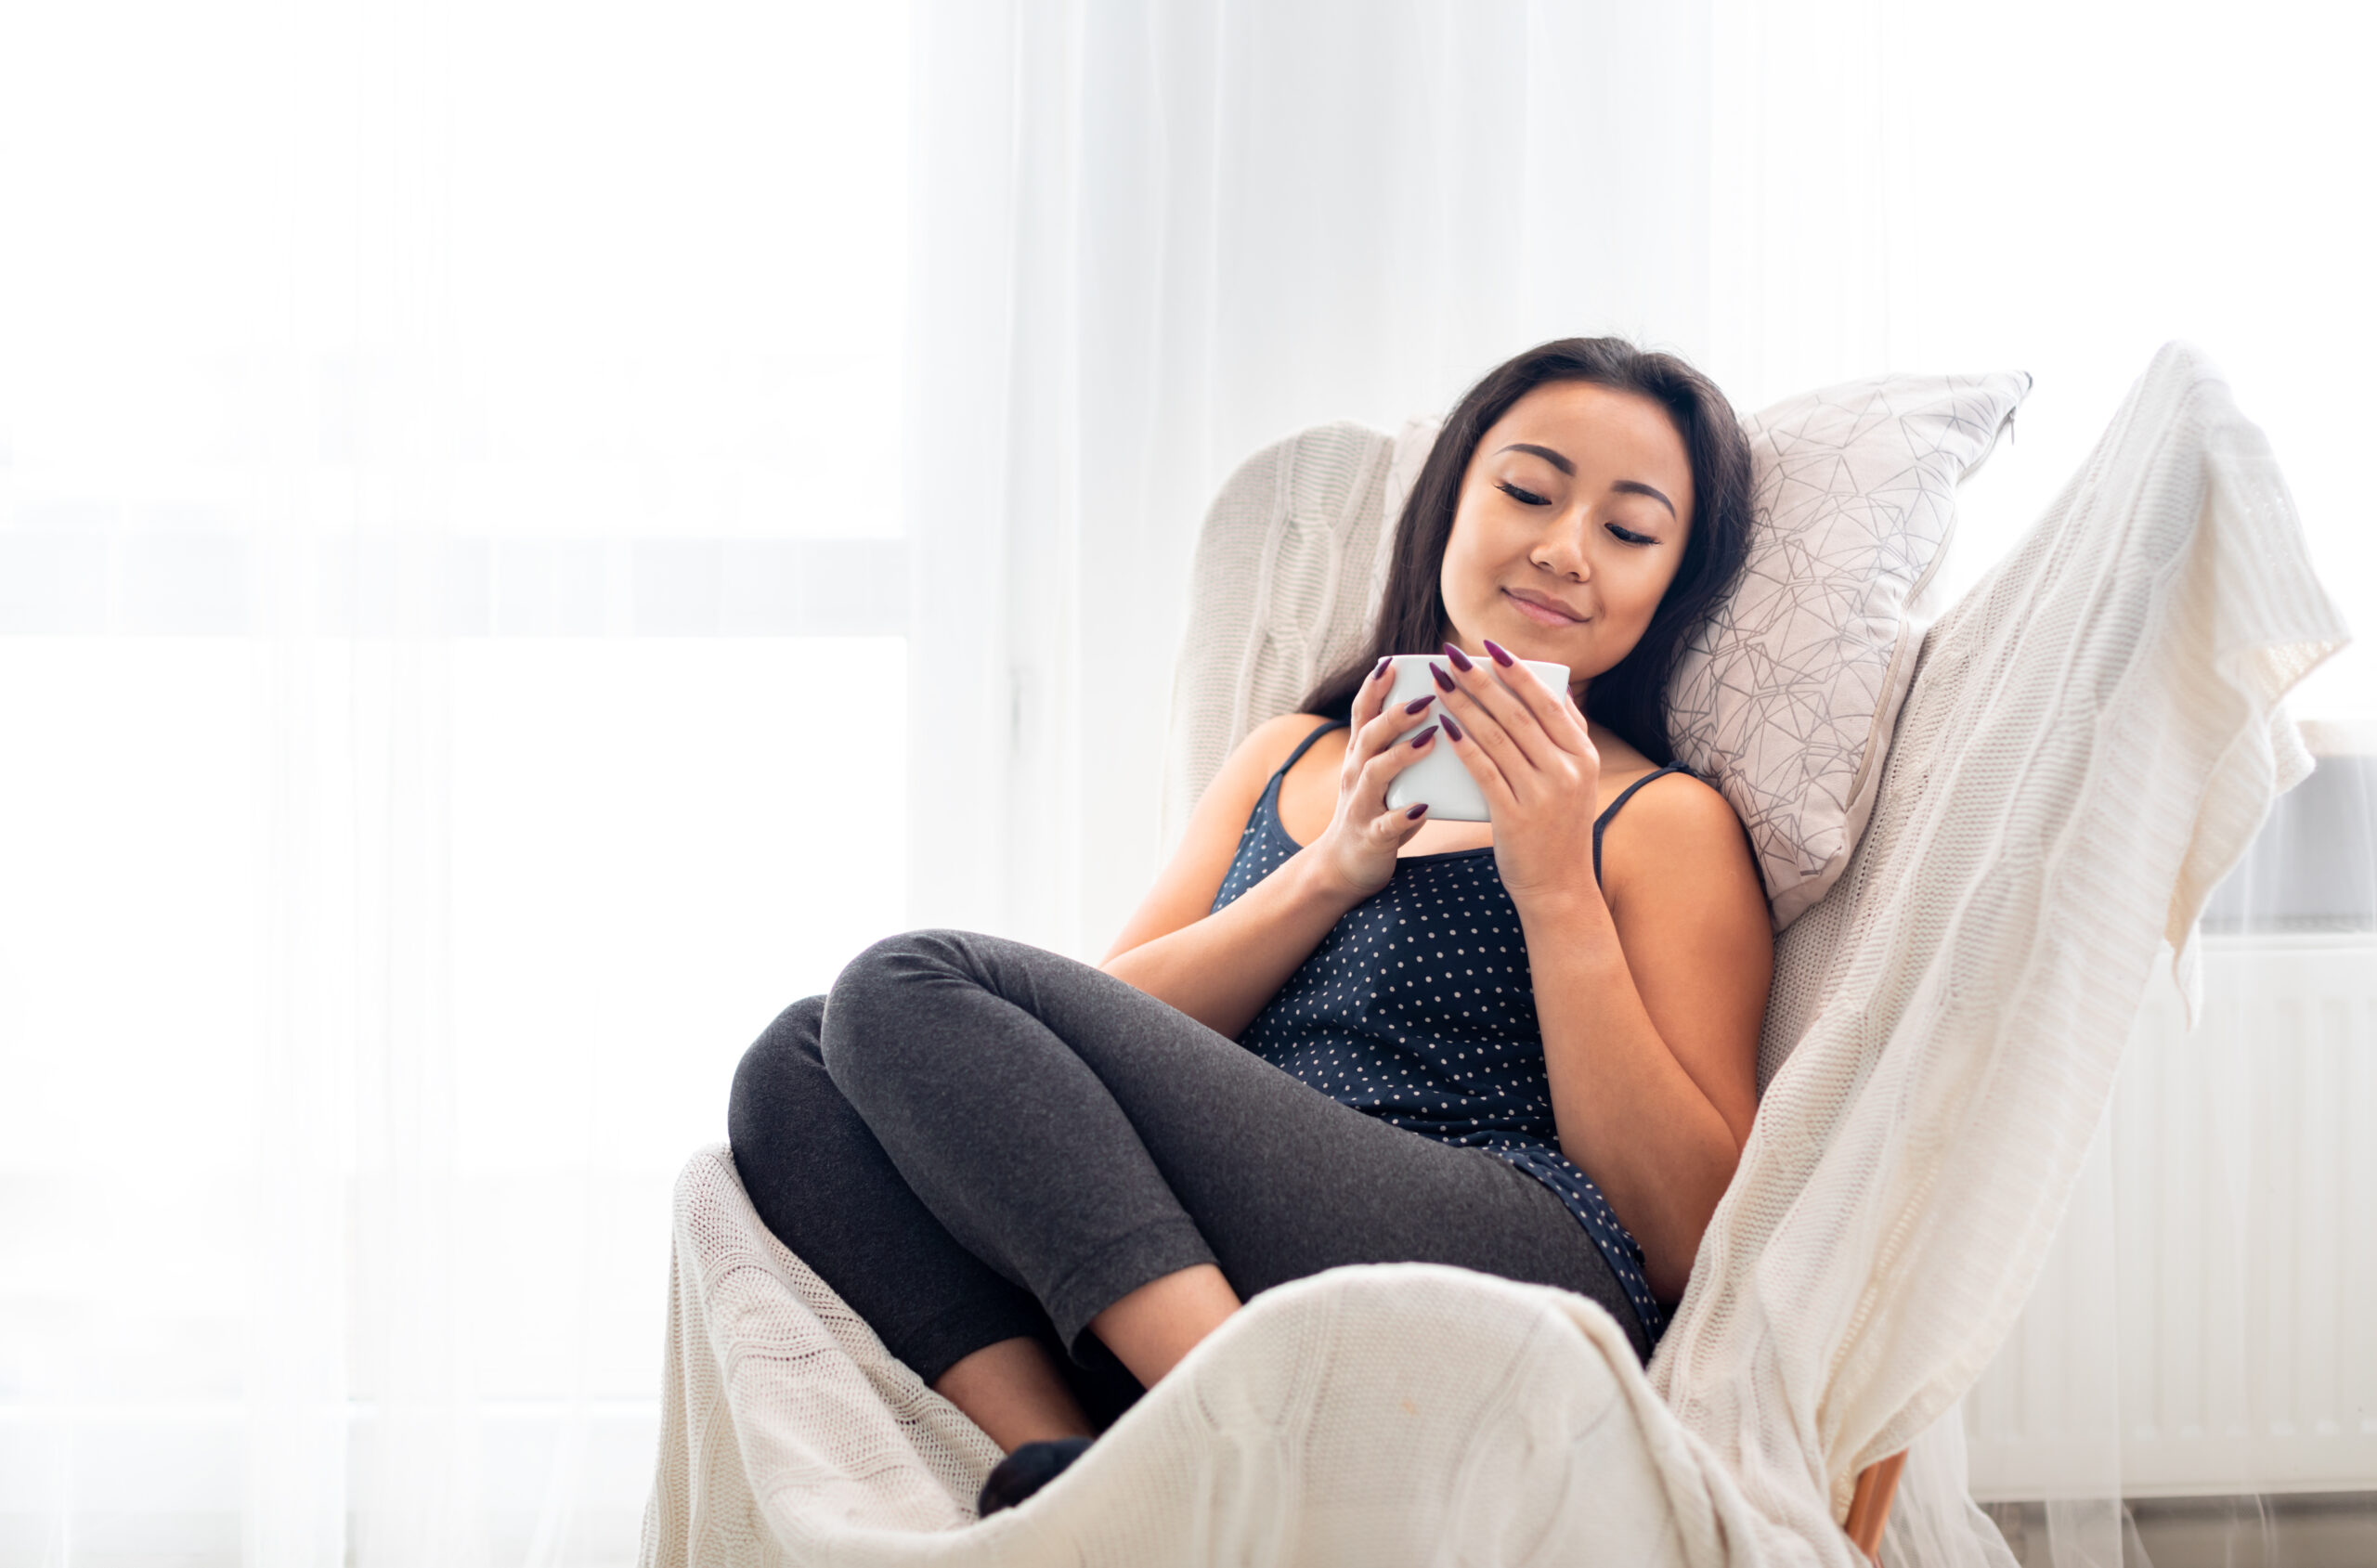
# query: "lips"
x,y
1543,608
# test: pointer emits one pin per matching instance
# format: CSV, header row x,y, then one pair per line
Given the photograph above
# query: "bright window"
x,y
566,343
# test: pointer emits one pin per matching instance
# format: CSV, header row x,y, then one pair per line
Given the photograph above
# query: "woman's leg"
x,y
1086,1140
822,1184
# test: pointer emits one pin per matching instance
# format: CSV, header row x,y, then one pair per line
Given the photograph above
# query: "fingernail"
x,y
1382,666
1422,738
1459,660
1417,809
1451,729
1442,679
1416,704
1502,655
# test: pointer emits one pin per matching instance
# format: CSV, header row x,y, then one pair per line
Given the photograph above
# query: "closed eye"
x,y
1528,497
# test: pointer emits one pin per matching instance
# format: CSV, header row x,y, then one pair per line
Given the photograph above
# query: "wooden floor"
x,y
2301,1530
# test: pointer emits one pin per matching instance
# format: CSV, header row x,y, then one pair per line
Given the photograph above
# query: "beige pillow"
x,y
1786,697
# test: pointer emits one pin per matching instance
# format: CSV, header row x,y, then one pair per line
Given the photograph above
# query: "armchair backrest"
x,y
1289,566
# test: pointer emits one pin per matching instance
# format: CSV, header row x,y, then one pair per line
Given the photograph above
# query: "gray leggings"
x,y
972,1139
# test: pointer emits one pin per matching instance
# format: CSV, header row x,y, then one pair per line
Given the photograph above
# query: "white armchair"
x,y
2092,737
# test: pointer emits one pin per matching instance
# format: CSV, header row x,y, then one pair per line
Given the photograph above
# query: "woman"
x,y
1333,1033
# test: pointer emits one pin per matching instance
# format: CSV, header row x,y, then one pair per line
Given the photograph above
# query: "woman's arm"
x,y
1221,968
1649,998
1650,1001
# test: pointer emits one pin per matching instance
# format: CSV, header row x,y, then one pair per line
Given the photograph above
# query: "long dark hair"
x,y
1631,696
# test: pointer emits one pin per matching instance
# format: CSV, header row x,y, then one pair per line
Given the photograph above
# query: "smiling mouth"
x,y
1540,614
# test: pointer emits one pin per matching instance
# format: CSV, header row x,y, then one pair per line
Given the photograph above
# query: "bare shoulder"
x,y
1268,744
1238,784
1679,831
1684,804
1185,887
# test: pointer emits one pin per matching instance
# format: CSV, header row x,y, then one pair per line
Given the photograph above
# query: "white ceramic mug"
x,y
1439,778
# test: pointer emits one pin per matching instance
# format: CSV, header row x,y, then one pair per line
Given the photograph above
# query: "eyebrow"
x,y
1623,486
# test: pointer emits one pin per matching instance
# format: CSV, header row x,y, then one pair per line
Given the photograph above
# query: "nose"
x,y
1562,551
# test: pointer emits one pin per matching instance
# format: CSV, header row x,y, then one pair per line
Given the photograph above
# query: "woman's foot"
x,y
1026,1471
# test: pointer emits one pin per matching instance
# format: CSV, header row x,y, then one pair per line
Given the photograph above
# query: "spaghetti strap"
x,y
1304,744
1623,796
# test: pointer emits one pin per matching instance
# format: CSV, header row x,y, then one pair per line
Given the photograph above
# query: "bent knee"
x,y
890,963
870,1016
777,1070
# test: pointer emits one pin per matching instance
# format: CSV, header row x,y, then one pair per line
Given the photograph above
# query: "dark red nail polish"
x,y
1459,660
1382,666
1416,704
1417,809
1451,729
1422,738
1442,679
1502,655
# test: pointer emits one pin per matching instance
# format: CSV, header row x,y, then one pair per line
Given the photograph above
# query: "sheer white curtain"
x,y
1154,237
449,570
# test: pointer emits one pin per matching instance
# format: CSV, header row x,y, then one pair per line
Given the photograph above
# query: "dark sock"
x,y
1026,1470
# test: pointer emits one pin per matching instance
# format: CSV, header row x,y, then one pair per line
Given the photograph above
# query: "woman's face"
x,y
1571,523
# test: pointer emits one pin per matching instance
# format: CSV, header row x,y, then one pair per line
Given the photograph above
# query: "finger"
x,y
1555,712
1385,729
1365,789
1496,714
1482,766
1372,695
1483,738
1400,825
1380,770
1372,728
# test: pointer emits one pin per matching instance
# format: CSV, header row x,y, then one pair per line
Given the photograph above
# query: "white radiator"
x,y
2230,1212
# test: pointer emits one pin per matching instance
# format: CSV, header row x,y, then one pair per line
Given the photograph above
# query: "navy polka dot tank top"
x,y
1418,1009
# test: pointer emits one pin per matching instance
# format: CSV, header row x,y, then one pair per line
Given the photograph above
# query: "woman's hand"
x,y
1536,765
1358,849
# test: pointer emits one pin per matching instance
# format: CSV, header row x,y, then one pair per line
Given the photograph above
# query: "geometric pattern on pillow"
x,y
1785,696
